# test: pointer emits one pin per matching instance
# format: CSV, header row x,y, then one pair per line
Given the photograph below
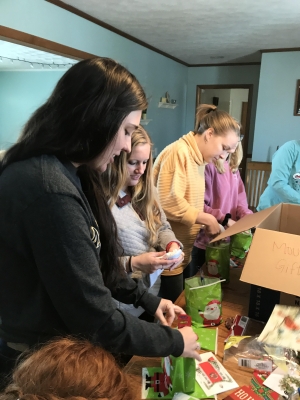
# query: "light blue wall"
x,y
222,75
21,93
275,122
156,73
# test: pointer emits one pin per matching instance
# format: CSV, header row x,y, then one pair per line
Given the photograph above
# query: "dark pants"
x,y
198,259
171,287
8,359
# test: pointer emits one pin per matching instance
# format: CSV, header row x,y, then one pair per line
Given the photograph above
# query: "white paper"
x,y
212,376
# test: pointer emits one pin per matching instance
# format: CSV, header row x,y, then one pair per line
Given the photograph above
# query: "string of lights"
x,y
52,65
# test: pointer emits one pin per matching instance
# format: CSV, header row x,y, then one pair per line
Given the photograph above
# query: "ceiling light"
x,y
31,65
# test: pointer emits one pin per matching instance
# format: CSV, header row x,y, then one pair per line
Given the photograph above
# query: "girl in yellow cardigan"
x,y
179,177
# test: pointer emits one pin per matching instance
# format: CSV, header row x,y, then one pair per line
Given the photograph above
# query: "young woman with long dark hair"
x,y
58,243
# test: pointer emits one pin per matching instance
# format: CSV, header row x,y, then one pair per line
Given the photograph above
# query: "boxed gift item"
x,y
273,261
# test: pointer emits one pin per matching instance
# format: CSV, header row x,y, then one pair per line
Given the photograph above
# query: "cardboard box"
x,y
273,262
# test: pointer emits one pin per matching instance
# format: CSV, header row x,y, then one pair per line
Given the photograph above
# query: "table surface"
x,y
235,301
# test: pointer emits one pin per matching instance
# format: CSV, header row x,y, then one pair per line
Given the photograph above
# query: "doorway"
x,y
234,99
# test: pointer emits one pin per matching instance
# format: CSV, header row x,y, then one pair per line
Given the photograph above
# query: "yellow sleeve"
x,y
171,179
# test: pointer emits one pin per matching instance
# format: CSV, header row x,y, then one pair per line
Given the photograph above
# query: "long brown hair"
x,y
78,122
69,369
143,195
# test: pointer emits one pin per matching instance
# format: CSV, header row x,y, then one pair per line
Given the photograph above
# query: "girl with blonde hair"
x,y
69,369
143,229
225,199
179,176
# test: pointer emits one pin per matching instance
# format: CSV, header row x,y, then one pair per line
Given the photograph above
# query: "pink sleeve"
x,y
210,171
242,207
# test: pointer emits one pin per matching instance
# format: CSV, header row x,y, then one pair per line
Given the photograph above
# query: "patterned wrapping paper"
x,y
155,384
257,385
283,328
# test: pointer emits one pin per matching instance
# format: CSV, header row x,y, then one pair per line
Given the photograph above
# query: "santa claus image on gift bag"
x,y
213,268
203,300
217,258
211,314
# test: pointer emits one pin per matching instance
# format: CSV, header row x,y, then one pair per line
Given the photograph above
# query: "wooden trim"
x,y
25,39
224,64
280,50
111,28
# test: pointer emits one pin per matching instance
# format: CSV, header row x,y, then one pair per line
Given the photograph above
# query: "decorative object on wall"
x,y
166,102
167,97
297,100
162,104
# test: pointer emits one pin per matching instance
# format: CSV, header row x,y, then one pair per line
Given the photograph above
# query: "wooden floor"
x,y
235,301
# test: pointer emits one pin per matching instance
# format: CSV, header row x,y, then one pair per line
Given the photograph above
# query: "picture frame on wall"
x,y
297,100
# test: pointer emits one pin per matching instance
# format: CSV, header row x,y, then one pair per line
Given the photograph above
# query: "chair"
x,y
257,175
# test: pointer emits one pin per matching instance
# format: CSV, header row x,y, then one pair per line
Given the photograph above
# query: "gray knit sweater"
x,y
134,237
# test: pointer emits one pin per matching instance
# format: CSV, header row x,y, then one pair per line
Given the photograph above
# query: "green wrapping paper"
x,y
156,384
208,338
203,300
182,373
240,243
217,257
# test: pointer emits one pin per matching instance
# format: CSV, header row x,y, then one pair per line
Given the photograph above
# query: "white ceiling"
x,y
17,57
203,31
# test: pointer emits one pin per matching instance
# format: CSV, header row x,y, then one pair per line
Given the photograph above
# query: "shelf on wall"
x,y
167,105
145,121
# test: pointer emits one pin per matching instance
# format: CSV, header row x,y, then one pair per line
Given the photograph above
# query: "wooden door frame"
x,y
36,42
246,128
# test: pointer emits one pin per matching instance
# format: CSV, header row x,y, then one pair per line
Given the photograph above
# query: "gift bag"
x,y
180,374
203,300
240,243
217,257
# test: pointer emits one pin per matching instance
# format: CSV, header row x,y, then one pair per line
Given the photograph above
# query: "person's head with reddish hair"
x,y
68,369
